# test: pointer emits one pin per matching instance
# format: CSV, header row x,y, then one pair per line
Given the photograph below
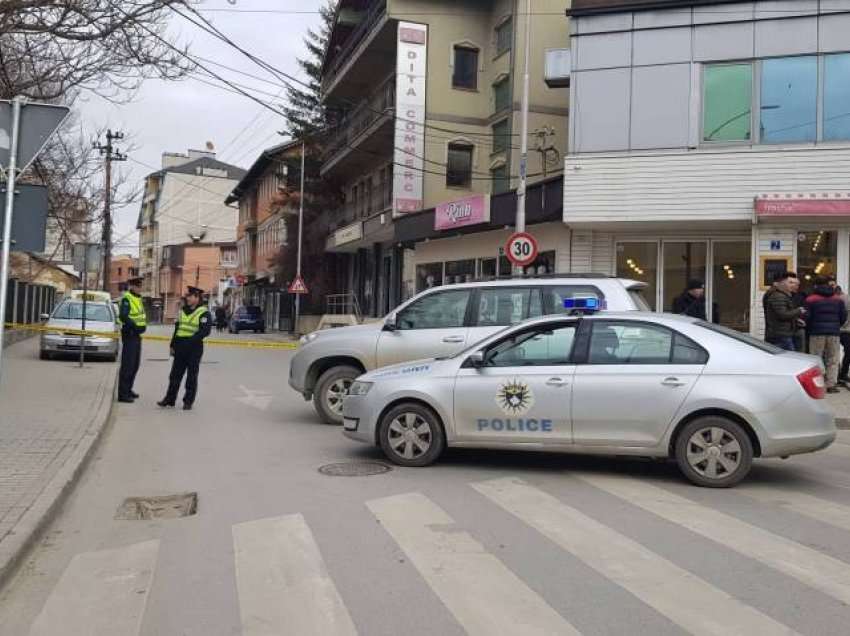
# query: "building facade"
x,y
123,267
430,95
208,266
182,204
710,140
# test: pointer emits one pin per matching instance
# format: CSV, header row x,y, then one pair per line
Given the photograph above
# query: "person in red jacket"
x,y
825,314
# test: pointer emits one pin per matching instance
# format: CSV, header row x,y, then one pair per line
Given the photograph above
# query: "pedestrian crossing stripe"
x,y
283,584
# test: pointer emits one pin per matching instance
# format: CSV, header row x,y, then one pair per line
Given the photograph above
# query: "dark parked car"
x,y
247,318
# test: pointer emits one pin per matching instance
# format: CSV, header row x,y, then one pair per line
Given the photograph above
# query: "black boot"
x,y
134,395
127,399
187,406
164,402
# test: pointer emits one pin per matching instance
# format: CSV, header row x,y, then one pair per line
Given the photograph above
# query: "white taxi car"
x,y
652,385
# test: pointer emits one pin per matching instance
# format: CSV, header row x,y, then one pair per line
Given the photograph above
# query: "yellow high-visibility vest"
x,y
187,326
137,310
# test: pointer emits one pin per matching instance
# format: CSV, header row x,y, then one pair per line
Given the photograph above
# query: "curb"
x,y
31,525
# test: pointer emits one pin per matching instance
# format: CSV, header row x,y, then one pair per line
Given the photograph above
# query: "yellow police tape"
x,y
217,342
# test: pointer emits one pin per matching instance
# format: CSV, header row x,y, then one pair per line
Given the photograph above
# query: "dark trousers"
x,y
845,360
187,360
131,355
786,343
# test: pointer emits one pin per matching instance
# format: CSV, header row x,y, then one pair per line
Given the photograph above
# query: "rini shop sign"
x,y
409,153
470,210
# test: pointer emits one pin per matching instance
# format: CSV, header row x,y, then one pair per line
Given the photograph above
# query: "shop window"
x,y
730,279
836,97
487,268
501,306
789,99
465,73
504,36
428,275
441,310
683,261
459,271
501,136
727,102
816,256
459,168
639,261
501,179
502,95
543,264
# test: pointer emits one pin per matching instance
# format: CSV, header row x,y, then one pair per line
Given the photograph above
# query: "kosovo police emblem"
x,y
515,397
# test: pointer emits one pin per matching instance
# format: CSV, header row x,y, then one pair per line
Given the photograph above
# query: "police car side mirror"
x,y
477,359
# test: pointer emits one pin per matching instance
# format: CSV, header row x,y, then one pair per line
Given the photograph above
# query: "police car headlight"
x,y
359,388
310,337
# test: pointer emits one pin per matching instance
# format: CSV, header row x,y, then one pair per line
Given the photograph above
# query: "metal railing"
x,y
343,304
358,120
374,14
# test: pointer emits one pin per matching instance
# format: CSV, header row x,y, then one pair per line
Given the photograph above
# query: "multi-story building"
x,y
268,194
209,266
123,267
183,203
430,94
710,140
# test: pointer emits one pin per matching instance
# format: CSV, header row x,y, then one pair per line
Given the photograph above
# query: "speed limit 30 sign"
x,y
521,248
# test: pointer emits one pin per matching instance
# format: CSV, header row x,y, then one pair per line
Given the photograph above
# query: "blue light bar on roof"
x,y
588,304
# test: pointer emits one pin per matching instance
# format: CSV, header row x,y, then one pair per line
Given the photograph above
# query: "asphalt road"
x,y
483,543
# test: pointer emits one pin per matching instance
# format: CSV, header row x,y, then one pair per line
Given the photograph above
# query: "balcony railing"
x,y
374,14
366,113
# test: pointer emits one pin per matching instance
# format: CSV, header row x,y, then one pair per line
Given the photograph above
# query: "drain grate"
x,y
164,507
354,469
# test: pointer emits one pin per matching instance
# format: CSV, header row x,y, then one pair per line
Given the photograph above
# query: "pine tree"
x,y
305,112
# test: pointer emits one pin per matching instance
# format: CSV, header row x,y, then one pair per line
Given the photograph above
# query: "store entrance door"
x,y
682,261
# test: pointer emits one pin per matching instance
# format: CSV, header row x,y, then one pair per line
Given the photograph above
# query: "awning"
x,y
829,204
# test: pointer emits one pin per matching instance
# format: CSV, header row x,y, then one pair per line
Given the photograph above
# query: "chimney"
x,y
197,154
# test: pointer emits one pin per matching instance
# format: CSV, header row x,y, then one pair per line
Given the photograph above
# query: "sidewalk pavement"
x,y
840,403
51,415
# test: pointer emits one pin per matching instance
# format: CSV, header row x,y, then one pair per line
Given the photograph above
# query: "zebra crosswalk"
x,y
283,584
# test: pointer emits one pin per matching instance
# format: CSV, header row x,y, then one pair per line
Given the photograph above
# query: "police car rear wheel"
x,y
411,435
714,452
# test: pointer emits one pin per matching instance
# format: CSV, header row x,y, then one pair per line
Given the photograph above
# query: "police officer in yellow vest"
x,y
131,315
187,347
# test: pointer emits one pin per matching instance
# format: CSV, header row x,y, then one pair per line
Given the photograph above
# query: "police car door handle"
x,y
556,382
672,382
453,339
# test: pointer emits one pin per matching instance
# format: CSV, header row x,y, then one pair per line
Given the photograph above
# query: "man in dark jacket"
x,y
691,302
781,313
825,314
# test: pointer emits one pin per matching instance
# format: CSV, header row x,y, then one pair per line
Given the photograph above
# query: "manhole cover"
x,y
165,507
354,469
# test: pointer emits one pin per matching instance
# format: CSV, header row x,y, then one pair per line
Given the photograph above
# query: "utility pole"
x,y
523,158
300,235
110,154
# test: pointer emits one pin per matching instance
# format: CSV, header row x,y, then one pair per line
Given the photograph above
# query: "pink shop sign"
x,y
470,210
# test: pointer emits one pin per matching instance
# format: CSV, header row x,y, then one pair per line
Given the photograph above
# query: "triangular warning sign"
x,y
297,286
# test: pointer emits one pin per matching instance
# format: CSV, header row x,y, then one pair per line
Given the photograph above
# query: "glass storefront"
x,y
730,284
683,261
639,261
428,275
817,253
459,271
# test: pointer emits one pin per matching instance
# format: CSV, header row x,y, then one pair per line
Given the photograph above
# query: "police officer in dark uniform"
x,y
187,346
131,315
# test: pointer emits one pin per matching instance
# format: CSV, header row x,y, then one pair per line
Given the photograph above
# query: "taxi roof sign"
x,y
91,296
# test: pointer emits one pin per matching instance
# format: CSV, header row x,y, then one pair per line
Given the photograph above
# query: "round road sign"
x,y
521,248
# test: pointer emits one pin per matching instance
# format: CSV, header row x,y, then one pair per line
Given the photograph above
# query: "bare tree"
x,y
54,49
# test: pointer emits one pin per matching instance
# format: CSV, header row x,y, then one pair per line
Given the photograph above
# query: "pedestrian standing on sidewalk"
x,y
691,302
780,314
187,346
131,315
825,315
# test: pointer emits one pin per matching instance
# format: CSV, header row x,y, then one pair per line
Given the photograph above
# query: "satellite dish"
x,y
210,145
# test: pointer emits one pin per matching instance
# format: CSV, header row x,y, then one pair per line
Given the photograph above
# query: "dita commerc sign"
x,y
470,210
409,152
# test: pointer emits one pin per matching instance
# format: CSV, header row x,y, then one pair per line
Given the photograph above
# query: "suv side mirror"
x,y
477,359
391,323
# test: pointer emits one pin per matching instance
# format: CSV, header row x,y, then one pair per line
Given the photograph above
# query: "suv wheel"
x,y
410,434
714,452
330,389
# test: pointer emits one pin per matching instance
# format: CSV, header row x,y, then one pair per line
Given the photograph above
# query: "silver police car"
x,y
652,385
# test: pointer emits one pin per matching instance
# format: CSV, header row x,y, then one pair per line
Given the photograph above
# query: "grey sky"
x,y
175,116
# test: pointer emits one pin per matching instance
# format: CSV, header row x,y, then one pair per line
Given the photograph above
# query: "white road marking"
x,y
807,505
100,593
695,605
283,583
818,570
480,591
257,399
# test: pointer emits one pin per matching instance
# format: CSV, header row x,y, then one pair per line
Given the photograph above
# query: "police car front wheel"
x,y
410,434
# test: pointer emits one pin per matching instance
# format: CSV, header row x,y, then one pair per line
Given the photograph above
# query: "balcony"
x,y
366,130
367,43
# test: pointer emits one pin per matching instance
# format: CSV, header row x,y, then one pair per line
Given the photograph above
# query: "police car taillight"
x,y
813,383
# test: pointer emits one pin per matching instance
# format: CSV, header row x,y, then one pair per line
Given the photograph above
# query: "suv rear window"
x,y
253,312
747,339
